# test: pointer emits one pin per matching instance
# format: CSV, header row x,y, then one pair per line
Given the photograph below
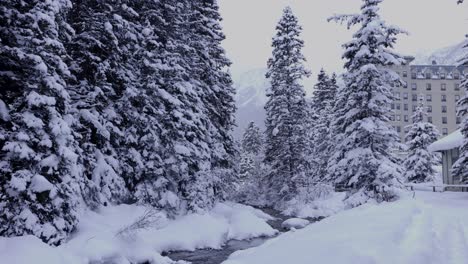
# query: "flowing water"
x,y
216,256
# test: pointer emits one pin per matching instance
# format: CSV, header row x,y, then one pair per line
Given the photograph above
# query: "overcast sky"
x,y
249,26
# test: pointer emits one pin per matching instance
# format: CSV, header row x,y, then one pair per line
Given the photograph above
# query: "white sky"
x,y
249,26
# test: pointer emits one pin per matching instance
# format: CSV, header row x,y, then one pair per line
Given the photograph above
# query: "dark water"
x,y
216,256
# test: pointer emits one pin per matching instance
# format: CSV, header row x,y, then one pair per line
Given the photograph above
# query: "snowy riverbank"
x,y
432,228
105,236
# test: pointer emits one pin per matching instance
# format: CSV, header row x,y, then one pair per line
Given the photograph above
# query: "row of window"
x,y
398,129
405,107
414,97
429,119
443,86
430,75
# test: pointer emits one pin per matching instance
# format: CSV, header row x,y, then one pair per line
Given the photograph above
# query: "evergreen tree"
x,y
362,156
39,182
322,111
251,166
460,168
99,63
419,165
286,122
252,141
209,67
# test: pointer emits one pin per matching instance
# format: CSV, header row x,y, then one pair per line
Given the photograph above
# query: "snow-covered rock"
x,y
296,223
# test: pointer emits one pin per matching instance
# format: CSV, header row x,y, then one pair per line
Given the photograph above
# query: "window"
x,y
398,129
414,97
405,118
458,120
398,106
428,86
457,87
429,98
444,109
405,74
414,108
428,75
442,75
405,96
406,130
392,105
405,107
414,86
456,76
429,119
398,118
444,98
444,131
413,75
429,109
405,85
457,98
398,84
443,86
444,120
392,117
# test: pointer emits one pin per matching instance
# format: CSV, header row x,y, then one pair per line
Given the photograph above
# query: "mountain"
x,y
250,99
445,56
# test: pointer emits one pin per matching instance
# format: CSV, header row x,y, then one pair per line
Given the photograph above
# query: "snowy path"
x,y
433,228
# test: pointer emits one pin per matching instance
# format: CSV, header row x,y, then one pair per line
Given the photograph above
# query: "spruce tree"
x,y
98,62
39,182
362,157
286,122
322,110
209,70
252,140
420,162
460,168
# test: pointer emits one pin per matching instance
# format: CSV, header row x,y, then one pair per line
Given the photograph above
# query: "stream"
x,y
216,256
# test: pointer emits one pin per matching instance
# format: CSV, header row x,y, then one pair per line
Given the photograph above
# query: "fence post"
x,y
433,188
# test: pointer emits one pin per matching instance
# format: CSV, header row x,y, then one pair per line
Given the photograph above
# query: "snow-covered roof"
x,y
451,141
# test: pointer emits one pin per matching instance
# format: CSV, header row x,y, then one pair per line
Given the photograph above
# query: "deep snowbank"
x,y
432,228
103,237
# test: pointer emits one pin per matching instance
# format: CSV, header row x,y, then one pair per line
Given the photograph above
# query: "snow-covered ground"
x,y
108,236
431,228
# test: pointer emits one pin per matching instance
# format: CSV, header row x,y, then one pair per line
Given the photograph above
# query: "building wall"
x,y
435,98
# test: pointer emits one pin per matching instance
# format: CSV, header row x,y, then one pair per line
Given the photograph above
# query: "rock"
x,y
296,223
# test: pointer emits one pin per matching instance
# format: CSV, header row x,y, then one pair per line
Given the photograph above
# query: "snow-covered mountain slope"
x,y
250,99
446,56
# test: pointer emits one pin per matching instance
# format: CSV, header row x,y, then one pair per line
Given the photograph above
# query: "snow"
x,y
451,141
4,112
319,207
107,236
296,223
431,228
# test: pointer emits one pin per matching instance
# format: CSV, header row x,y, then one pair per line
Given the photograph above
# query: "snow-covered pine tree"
x,y
461,166
321,110
214,85
98,62
287,114
362,157
252,140
419,165
38,186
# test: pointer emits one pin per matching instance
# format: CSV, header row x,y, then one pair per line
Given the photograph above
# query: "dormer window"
x,y
456,76
428,75
442,75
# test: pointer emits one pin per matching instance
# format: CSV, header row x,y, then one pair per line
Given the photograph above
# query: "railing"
x,y
437,187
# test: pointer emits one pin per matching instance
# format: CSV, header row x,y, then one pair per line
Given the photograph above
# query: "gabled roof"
x,y
451,141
